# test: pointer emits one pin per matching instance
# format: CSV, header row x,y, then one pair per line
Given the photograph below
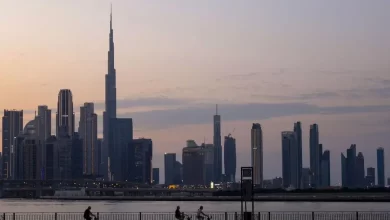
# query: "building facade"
x,y
121,138
169,167
230,158
88,133
141,155
298,133
218,147
156,176
65,119
12,126
257,153
325,169
380,159
315,155
290,160
193,156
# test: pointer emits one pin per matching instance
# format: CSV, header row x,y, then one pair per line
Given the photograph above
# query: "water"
x,y
18,205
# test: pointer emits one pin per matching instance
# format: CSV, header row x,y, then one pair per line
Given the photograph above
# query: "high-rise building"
x,y
344,174
156,176
99,150
51,158
63,170
169,167
370,178
380,160
44,115
360,171
351,167
65,115
325,169
208,163
140,161
178,179
230,158
88,133
218,147
298,132
306,174
110,104
12,127
290,160
315,155
193,157
121,138
78,157
257,153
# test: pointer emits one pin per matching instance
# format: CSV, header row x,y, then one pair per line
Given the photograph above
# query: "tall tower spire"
x,y
111,17
110,102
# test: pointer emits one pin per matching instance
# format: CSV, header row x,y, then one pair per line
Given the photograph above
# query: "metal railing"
x,y
215,216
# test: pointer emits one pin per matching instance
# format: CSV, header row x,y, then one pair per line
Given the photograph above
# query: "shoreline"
x,y
225,198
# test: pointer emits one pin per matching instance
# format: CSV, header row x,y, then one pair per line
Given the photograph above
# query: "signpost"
x,y
247,192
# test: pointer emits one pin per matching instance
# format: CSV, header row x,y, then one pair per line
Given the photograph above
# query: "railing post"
x,y
13,216
55,216
4,216
269,215
258,216
312,215
140,215
235,216
97,215
226,216
357,215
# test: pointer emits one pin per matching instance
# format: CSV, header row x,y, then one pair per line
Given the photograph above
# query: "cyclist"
x,y
178,214
200,214
88,214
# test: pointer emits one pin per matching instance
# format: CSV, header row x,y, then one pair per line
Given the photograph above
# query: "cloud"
x,y
145,102
157,119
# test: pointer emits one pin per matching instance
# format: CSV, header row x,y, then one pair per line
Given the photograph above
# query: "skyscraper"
x,y
140,161
325,169
208,163
44,115
193,156
380,160
298,132
217,147
120,139
315,155
230,158
65,114
290,160
156,175
110,103
169,167
360,171
257,153
351,167
344,177
88,133
370,178
12,127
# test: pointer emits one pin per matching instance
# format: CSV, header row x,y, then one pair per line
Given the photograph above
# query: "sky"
x,y
268,62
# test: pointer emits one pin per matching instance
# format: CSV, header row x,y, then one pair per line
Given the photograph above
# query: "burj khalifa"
x,y
110,105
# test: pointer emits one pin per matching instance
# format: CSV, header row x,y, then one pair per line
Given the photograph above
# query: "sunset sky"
x,y
270,62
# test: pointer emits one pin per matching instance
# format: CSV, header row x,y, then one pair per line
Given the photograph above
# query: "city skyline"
x,y
352,111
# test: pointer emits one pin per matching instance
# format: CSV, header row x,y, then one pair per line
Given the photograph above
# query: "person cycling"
x,y
179,215
200,214
88,214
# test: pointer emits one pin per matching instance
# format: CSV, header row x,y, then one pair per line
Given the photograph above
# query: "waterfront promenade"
x,y
214,216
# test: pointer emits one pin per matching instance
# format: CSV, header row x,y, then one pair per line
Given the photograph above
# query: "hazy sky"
x,y
272,62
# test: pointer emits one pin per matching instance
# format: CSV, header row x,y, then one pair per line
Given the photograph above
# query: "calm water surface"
x,y
17,205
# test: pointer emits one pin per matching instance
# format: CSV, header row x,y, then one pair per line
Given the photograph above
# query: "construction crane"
x,y
230,134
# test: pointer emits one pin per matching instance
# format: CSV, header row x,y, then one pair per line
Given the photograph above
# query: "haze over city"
x,y
267,62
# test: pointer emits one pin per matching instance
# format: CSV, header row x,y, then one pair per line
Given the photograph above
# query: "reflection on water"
x,y
17,205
